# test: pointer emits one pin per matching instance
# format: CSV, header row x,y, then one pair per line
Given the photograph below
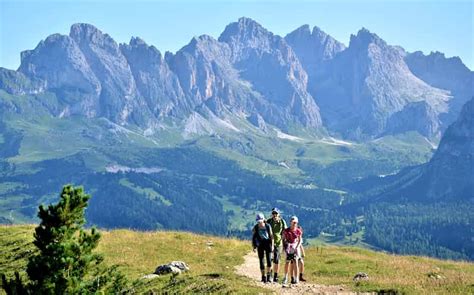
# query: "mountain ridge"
x,y
297,79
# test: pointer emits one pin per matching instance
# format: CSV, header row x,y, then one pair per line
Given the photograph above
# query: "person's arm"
x,y
270,233
284,241
254,237
302,251
299,240
284,226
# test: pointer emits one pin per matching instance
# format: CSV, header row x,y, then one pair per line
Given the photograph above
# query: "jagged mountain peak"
x,y
84,31
245,30
204,46
365,37
89,36
200,43
315,41
51,40
371,81
59,62
143,47
445,73
440,57
248,24
313,48
303,30
137,41
317,31
55,38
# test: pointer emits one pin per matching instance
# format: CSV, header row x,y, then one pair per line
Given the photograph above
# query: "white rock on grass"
x,y
174,267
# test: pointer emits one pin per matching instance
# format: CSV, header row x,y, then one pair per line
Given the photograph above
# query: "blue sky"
x,y
445,26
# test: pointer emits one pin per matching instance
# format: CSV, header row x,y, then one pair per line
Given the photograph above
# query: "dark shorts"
x,y
291,257
276,254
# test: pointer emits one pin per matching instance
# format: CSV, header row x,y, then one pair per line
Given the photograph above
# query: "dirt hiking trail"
x,y
251,270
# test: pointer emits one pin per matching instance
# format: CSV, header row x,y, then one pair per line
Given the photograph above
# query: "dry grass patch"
x,y
405,274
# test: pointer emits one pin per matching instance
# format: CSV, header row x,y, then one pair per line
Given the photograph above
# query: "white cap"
x,y
260,217
293,218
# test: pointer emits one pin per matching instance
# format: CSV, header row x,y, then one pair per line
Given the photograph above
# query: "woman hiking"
x,y
278,225
262,242
291,243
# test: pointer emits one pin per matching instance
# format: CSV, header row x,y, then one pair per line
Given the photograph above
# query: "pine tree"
x,y
65,263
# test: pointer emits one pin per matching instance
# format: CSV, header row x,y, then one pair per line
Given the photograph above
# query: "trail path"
x,y
250,269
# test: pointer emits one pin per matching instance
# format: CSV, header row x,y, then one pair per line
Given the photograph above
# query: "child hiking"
x,y
291,244
278,225
262,241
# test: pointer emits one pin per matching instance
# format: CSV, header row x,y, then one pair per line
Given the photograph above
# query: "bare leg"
x,y
295,272
276,267
292,269
301,266
287,266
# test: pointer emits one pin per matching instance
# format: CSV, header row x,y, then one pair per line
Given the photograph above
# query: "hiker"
x,y
301,257
262,241
278,225
291,243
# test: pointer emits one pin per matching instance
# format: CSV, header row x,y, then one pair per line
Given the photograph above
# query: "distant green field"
x,y
148,192
353,240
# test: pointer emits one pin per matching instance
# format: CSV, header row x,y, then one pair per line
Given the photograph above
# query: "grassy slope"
x,y
265,155
407,274
138,253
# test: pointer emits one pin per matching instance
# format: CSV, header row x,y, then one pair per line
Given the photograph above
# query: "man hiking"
x,y
278,225
262,241
291,244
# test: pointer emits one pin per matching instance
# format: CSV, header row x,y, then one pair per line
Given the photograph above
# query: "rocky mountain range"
x,y
305,80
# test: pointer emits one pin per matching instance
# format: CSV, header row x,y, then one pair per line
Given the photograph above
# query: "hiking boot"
x,y
269,278
302,279
285,281
264,279
275,279
293,281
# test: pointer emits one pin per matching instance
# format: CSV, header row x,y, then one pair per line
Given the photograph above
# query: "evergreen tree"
x,y
65,263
